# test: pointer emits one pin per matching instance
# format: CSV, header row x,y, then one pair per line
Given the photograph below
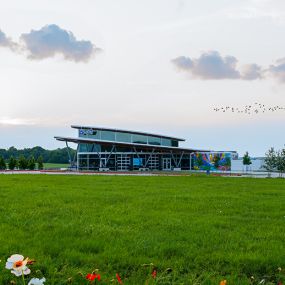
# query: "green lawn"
x,y
204,229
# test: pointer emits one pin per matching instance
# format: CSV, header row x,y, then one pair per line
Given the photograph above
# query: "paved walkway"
x,y
130,173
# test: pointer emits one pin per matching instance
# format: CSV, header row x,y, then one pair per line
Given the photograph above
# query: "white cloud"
x,y
15,121
6,42
52,40
251,72
211,65
277,70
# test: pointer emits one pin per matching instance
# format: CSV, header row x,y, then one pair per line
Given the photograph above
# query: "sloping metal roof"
x,y
146,146
126,131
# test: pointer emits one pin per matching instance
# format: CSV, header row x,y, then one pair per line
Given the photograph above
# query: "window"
x,y
174,143
165,142
123,137
107,136
82,147
139,139
154,140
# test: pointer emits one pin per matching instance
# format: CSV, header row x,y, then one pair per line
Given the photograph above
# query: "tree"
x,y
12,163
23,163
270,161
246,160
40,163
31,163
2,163
280,161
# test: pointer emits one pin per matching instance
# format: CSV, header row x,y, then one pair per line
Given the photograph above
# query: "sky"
x,y
155,65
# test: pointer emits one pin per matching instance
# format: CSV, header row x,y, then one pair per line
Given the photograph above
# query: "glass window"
x,y
154,140
174,143
82,147
165,142
107,136
123,137
95,134
139,139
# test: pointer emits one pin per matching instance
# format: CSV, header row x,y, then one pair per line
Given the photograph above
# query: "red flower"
x,y
279,283
153,274
119,278
92,277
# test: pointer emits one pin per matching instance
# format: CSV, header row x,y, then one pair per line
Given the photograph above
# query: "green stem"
x,y
23,278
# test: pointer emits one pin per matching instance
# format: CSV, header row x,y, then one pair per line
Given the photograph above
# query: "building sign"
x,y
85,132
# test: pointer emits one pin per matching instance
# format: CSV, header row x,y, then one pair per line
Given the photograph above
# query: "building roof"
x,y
126,131
146,146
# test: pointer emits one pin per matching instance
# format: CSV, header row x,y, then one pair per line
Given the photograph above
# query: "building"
x,y
103,149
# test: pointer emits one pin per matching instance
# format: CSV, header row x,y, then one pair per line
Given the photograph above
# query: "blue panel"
x,y
137,162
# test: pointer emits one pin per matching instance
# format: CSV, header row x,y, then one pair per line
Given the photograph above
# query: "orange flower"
x,y
223,282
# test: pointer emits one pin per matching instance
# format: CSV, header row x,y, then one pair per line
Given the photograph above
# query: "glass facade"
x,y
139,139
126,137
123,137
154,140
107,136
165,142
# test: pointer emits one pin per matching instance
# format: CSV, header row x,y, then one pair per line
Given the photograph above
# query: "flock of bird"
x,y
250,109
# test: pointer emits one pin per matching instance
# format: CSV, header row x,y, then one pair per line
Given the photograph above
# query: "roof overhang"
x,y
144,146
126,131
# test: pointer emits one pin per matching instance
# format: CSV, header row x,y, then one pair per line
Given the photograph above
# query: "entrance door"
x,y
166,163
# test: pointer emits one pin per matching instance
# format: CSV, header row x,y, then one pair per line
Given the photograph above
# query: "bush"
x,y
23,163
31,163
2,163
12,163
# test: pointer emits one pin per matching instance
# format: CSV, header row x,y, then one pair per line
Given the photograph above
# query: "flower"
x,y
119,278
153,274
37,281
17,263
223,282
92,277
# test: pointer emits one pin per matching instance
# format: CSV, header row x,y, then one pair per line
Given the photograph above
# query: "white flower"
x,y
18,265
37,281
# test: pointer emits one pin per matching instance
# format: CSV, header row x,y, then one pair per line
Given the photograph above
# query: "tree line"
x,y
31,158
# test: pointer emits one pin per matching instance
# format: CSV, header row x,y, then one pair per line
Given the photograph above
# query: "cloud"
x,y
278,70
183,62
211,65
15,121
52,40
6,42
251,72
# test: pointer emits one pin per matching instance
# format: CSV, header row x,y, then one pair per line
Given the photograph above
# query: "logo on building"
x,y
85,132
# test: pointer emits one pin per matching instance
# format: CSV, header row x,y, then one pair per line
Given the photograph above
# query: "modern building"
x,y
121,150
103,149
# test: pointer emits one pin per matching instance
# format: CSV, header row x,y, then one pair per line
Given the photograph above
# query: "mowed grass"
x,y
204,228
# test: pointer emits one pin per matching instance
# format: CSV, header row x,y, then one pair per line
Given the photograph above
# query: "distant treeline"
x,y
59,155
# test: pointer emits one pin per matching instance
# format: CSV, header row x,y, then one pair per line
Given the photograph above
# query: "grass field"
x,y
205,229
